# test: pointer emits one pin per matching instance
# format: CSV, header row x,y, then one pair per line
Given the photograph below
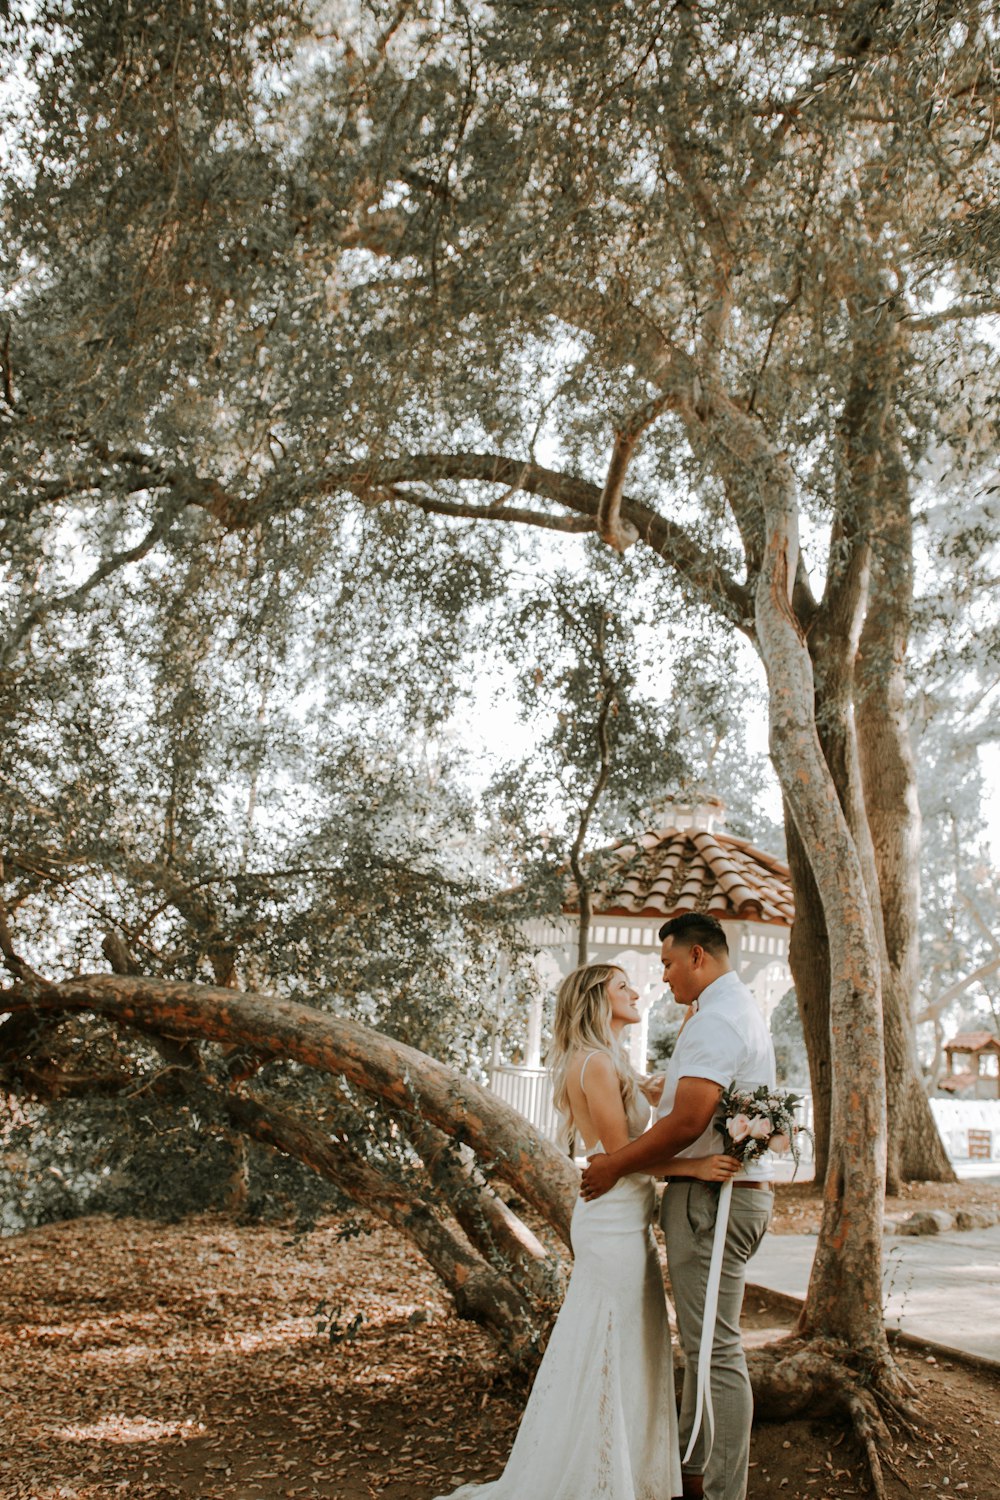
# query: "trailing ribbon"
x,y
703,1400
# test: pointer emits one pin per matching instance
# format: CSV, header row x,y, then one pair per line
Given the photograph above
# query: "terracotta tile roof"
x,y
666,871
954,1083
972,1041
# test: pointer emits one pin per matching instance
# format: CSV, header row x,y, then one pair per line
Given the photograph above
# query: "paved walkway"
x,y
941,1287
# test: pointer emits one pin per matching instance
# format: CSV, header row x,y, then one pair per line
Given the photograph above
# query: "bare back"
x,y
594,1092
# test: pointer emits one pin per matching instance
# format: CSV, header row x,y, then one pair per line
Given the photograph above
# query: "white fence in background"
x,y
530,1091
964,1123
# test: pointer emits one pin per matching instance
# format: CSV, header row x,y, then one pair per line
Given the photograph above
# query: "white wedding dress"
x,y
601,1421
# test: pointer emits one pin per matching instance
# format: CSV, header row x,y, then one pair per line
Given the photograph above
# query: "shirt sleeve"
x,y
712,1050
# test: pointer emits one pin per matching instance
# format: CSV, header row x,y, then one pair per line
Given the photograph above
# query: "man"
x,y
724,1040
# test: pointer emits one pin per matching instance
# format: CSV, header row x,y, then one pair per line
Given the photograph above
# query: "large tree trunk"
x,y
845,1288
890,787
406,1079
809,960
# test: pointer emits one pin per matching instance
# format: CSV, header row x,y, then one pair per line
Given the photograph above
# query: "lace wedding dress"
x,y
600,1423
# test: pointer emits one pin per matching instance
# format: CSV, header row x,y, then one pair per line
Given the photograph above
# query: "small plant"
x,y
331,1321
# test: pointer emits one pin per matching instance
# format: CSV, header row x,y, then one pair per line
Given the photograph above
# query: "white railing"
x,y
955,1118
530,1091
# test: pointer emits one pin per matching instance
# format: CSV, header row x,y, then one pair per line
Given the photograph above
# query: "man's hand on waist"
x,y
599,1176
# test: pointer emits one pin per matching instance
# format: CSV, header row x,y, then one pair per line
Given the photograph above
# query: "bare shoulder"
x,y
592,1067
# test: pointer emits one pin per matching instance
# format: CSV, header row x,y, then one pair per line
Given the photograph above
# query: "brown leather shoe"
x,y
693,1486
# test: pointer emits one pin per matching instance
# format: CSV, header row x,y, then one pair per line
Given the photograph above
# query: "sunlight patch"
x,y
118,1428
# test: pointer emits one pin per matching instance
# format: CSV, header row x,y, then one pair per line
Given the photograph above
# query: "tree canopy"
x,y
310,311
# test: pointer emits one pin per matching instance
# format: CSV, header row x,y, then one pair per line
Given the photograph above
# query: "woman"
x,y
601,1420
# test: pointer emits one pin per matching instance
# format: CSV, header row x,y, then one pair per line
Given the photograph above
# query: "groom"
x,y
725,1040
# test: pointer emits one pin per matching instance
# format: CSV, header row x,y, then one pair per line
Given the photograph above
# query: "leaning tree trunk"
x,y
479,1292
409,1081
890,788
494,1230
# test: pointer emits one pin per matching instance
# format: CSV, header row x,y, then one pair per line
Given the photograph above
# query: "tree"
x,y
705,237
585,647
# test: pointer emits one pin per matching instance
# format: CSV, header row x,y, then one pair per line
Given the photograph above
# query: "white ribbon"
x,y
703,1400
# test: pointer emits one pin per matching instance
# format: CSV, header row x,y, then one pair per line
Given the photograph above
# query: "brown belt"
x,y
754,1183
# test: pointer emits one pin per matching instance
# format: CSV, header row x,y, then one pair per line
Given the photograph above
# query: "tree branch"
x,y
13,962
431,506
958,312
480,1293
934,1010
405,1078
77,597
611,528
701,569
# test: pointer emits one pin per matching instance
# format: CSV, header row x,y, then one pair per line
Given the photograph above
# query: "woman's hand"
x,y
715,1168
653,1088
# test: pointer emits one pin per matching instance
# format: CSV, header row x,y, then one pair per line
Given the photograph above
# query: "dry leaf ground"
x,y
151,1361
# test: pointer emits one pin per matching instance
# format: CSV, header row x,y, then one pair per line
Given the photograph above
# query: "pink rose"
x,y
761,1128
739,1127
779,1143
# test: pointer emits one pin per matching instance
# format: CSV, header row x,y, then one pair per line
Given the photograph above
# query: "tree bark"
x,y
845,1288
503,1240
889,777
809,960
406,1079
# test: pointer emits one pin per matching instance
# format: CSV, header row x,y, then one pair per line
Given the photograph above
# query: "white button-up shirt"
x,y
726,1041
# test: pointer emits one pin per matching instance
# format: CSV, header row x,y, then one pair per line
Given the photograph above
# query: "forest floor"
x,y
151,1361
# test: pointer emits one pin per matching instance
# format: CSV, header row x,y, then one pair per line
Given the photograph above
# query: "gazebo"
x,y
685,862
973,1066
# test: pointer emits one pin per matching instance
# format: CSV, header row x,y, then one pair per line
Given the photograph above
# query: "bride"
x,y
601,1420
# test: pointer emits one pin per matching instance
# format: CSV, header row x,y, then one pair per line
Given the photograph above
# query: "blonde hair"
x,y
583,1023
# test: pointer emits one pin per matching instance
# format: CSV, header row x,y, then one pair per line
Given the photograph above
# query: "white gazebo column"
x,y
533,1047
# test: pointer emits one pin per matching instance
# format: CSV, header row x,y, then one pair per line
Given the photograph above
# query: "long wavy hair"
x,y
583,1023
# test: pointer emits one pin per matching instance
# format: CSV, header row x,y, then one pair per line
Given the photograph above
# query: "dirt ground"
x,y
148,1361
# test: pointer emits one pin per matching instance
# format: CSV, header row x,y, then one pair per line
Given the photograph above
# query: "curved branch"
x,y
699,568
610,527
958,312
431,506
403,1077
480,1293
938,1006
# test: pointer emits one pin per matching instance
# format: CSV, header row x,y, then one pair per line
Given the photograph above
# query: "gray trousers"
x,y
688,1216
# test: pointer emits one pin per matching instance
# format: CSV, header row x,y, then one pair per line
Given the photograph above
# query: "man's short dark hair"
x,y
696,927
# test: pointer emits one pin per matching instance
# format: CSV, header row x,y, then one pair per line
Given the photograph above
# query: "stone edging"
x,y
940,1221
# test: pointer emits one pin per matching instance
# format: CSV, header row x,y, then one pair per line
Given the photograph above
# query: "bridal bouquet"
x,y
754,1121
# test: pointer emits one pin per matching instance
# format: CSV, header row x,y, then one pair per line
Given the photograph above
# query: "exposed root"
x,y
871,1430
821,1377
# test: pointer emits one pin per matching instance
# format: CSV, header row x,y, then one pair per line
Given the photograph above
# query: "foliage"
x,y
789,1043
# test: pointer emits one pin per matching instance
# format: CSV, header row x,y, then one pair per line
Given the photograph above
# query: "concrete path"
x,y
941,1287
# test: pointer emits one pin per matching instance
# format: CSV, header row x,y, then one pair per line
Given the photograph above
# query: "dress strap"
x,y
583,1070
